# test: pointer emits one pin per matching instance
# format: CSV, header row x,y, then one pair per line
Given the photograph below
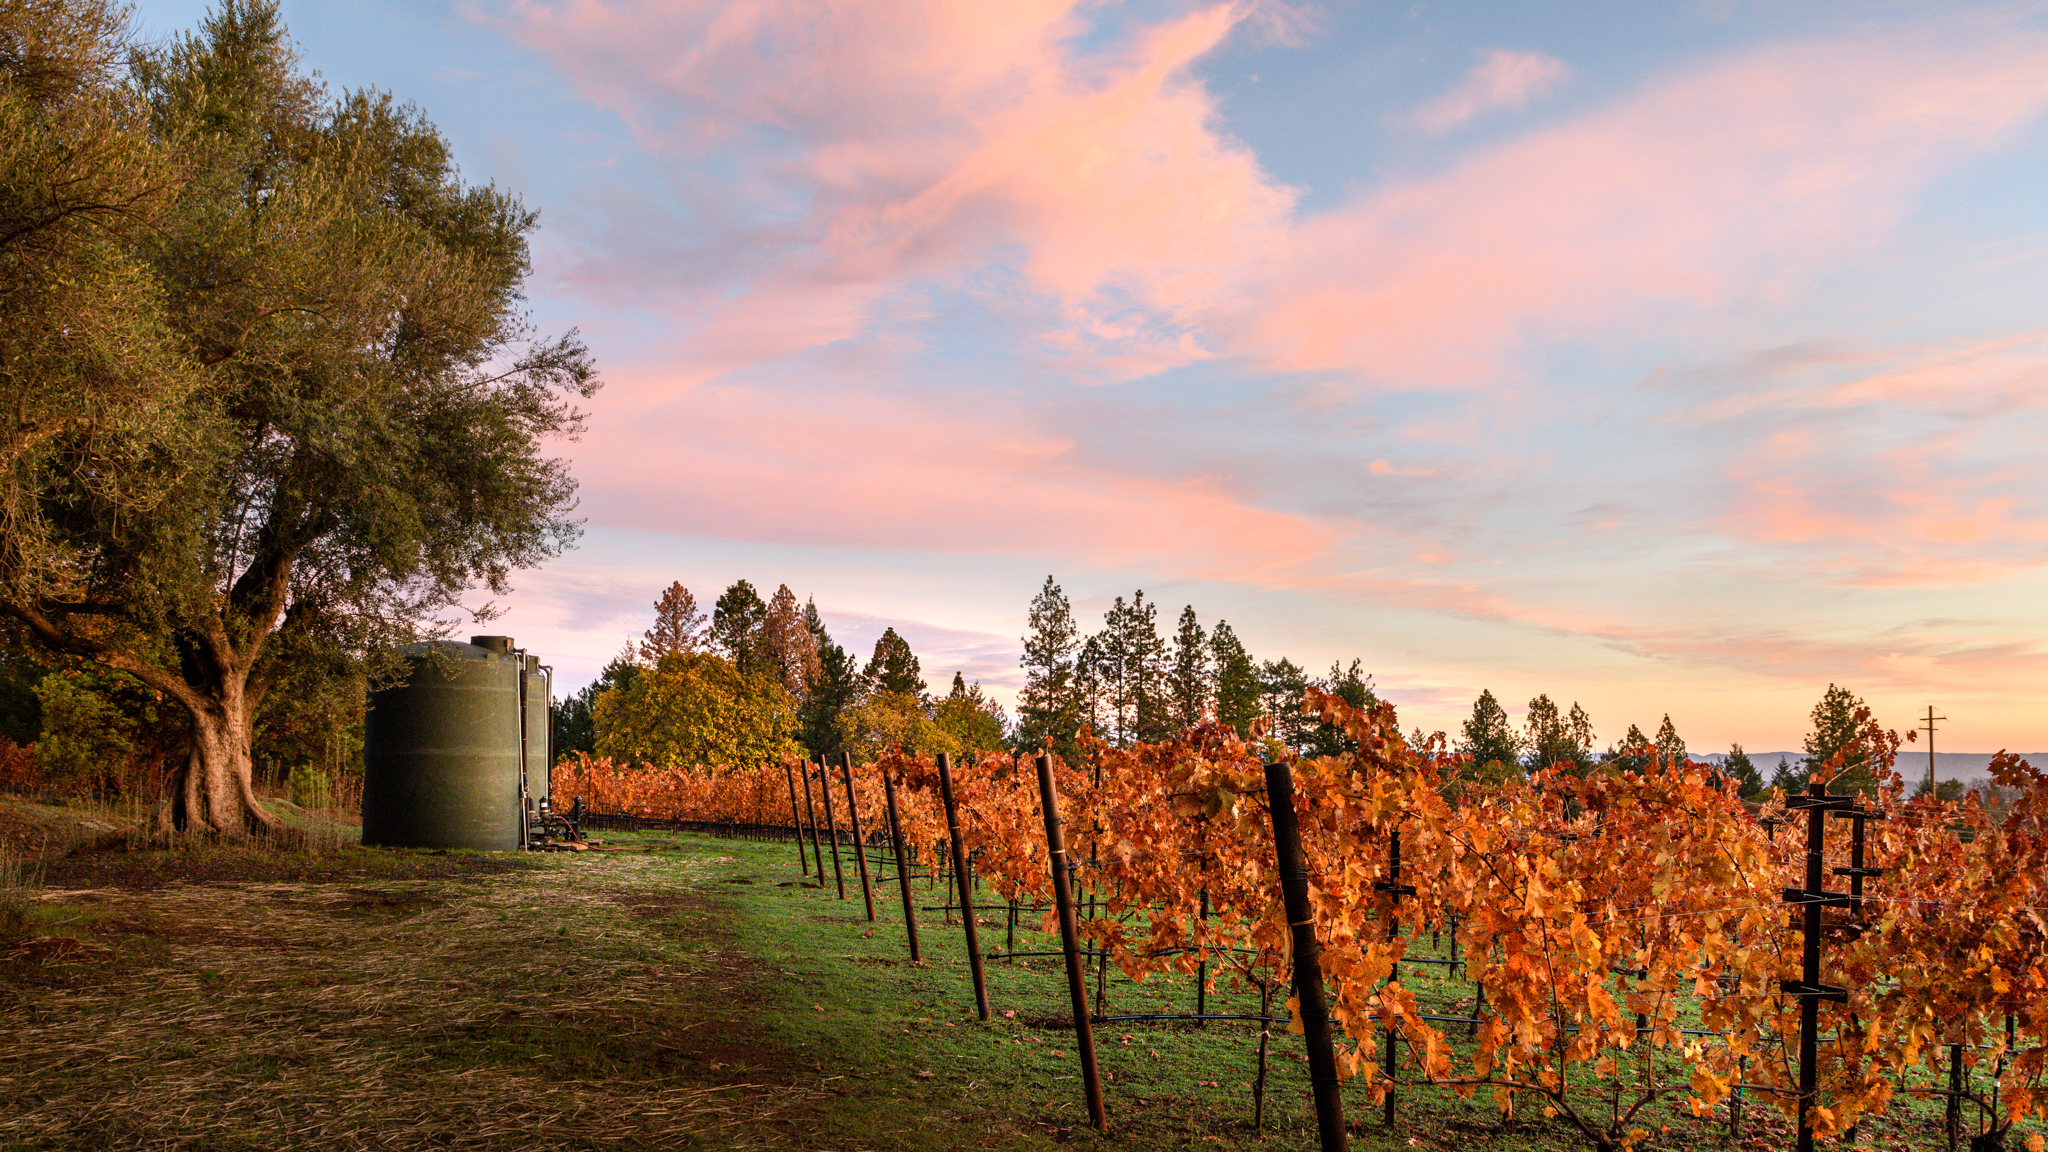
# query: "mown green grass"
x,y
686,992
909,1067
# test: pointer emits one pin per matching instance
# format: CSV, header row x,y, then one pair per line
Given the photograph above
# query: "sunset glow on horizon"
x,y
1670,359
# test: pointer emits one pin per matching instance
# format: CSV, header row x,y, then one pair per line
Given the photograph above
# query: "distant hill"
x,y
1964,766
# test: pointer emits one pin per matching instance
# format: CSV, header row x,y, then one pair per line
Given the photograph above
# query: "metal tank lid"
x,y
502,645
456,649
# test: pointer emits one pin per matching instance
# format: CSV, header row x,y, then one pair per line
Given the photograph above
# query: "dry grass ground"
x,y
426,1001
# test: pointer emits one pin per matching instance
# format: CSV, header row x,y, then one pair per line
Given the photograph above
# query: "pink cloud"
x,y
1743,176
873,155
1501,81
1911,470
878,470
888,146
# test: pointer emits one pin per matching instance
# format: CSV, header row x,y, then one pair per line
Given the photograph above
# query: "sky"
x,y
1673,359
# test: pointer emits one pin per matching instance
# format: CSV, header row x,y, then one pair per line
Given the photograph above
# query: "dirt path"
x,y
588,1004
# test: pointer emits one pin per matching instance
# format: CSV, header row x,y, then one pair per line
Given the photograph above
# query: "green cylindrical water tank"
x,y
441,750
536,736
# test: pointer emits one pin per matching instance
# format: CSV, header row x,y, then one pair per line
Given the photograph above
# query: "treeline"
x,y
758,681
1841,725
1129,684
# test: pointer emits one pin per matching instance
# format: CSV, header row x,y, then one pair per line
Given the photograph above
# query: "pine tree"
x,y
678,626
1670,748
970,717
1352,685
1091,698
1236,690
1189,681
893,668
788,644
1547,735
1152,704
1736,766
1489,739
1579,726
1049,707
835,688
1283,686
1842,726
1788,777
736,622
1635,753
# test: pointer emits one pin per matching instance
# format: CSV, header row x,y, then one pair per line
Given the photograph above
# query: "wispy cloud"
x,y
1501,81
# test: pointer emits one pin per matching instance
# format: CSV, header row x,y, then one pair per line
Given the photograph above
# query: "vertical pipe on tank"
x,y
548,731
525,803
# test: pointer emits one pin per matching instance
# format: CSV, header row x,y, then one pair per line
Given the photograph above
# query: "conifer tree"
x,y
736,622
893,667
1838,729
1236,690
1049,709
678,626
1670,748
1736,766
1489,739
835,688
790,647
1189,681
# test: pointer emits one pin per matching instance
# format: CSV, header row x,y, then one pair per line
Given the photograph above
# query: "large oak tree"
x,y
343,415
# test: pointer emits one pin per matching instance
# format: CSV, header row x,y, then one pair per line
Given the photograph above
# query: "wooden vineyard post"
x,y
1308,974
965,884
1394,889
1808,988
811,813
1077,980
1857,873
902,864
796,818
860,845
831,825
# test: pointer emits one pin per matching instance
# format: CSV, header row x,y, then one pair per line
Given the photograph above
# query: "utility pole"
x,y
1927,725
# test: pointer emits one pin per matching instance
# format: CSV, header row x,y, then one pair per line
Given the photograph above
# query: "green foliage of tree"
x,y
21,711
1049,707
1237,684
976,723
103,733
1945,790
883,718
1489,739
893,667
1670,746
1353,685
1736,766
1283,686
1554,737
1789,777
91,363
1842,725
696,709
833,690
1634,753
574,724
1187,683
350,438
1127,660
737,621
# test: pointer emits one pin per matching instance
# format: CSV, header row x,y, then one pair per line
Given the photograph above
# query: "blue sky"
x,y
1670,358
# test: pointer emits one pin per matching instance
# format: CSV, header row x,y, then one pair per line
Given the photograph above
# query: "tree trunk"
x,y
215,793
